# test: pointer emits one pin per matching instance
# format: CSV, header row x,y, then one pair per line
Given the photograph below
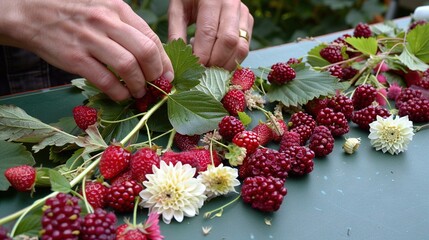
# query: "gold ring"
x,y
243,34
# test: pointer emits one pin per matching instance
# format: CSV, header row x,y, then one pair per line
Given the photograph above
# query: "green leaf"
x,y
187,70
12,154
214,82
418,42
75,160
386,29
17,125
59,183
244,118
411,61
194,112
307,85
366,46
314,58
30,225
159,121
88,88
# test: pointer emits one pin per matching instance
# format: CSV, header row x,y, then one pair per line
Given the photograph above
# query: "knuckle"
x,y
209,31
125,64
229,40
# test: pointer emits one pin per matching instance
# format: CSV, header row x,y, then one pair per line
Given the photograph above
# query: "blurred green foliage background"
x,y
281,21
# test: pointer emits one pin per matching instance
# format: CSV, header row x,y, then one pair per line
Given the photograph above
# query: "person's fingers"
x,y
227,35
206,30
177,21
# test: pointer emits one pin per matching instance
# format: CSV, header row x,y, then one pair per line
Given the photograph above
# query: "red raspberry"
x,y
127,232
293,61
263,193
22,177
243,77
163,84
416,109
407,94
301,118
368,115
304,132
144,103
301,160
349,73
278,130
122,177
362,30
61,217
99,225
416,23
96,194
186,142
121,197
197,158
314,106
234,101
141,163
266,162
336,71
84,116
247,139
335,121
229,126
321,141
290,139
332,53
424,80
363,96
264,132
281,73
342,103
342,39
114,160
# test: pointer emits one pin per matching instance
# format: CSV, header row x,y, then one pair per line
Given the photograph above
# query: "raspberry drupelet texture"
x,y
301,118
243,77
336,71
185,142
229,126
407,94
96,194
290,139
84,116
417,110
364,96
301,160
332,53
281,73
142,162
321,141
164,87
342,103
314,106
362,30
335,121
121,196
234,101
304,132
264,132
263,193
367,115
247,139
99,225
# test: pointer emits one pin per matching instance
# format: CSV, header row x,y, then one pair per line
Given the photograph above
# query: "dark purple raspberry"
x,y
229,126
349,73
263,193
161,83
278,129
3,234
332,53
186,142
335,121
417,110
61,217
99,225
314,106
363,96
304,132
368,115
321,141
362,30
424,80
95,194
290,139
416,23
266,162
281,73
336,71
301,160
407,94
342,39
301,118
342,103
121,197
293,61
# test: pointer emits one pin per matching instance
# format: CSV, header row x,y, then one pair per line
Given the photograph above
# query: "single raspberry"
x,y
96,194
243,77
186,142
144,103
247,139
342,103
293,61
416,23
121,197
368,115
234,101
304,132
336,71
197,158
301,160
266,162
264,132
362,30
301,118
84,116
61,217
141,163
411,77
98,225
321,141
332,53
279,128
22,177
3,233
290,139
163,84
229,126
281,73
335,121
342,39
363,96
314,106
424,80
349,73
263,193
407,94
417,110
122,177
114,160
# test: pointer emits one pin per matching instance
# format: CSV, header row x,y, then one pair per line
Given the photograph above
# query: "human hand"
x,y
217,38
85,36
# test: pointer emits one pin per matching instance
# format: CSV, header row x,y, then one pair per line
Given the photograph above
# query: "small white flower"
x,y
253,100
219,180
391,134
351,145
172,191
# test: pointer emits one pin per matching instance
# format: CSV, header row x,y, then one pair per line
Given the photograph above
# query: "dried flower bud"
x,y
351,145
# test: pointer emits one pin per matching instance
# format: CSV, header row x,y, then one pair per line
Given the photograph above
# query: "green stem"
x,y
123,120
207,214
170,140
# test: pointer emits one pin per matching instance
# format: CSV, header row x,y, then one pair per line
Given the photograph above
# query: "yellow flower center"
x,y
390,134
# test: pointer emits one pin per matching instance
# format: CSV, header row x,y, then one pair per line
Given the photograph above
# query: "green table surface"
x,y
367,195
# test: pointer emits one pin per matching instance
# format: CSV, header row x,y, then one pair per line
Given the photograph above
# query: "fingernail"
x,y
169,76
